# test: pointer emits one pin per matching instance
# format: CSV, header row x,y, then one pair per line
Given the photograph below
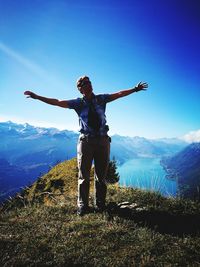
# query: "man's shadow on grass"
x,y
160,221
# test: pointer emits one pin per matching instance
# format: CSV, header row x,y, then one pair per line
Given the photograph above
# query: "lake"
x,y
146,173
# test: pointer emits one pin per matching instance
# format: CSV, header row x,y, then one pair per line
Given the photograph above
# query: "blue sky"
x,y
45,45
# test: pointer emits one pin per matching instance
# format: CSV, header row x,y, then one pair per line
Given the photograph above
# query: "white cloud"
x,y
191,137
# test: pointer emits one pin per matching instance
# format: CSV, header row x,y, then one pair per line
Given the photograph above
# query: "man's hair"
x,y
81,80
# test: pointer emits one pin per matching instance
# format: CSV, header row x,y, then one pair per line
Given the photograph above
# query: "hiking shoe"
x,y
82,211
100,209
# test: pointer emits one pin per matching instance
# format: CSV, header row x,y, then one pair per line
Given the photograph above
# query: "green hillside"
x,y
39,227
58,186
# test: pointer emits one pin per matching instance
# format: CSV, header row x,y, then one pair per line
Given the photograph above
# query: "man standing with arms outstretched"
x,y
94,142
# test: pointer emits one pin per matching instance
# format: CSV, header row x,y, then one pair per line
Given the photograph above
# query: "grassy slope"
x,y
41,228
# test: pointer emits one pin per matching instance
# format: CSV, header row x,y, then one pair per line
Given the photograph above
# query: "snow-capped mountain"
x,y
19,142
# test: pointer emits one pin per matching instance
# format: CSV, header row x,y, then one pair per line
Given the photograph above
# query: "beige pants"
x,y
89,149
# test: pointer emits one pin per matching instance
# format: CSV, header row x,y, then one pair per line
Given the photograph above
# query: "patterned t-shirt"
x,y
81,106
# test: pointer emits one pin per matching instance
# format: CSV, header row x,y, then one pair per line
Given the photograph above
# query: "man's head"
x,y
84,86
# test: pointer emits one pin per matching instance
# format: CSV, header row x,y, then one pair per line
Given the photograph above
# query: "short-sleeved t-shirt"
x,y
81,106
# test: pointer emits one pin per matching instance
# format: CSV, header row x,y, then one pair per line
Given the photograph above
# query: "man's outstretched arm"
x,y
139,87
50,101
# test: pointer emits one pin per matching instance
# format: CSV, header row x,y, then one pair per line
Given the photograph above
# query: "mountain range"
x,y
185,166
27,151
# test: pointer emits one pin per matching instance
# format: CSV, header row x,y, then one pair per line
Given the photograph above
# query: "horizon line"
x,y
186,138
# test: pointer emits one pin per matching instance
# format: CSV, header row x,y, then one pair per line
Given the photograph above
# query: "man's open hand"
x,y
30,94
141,86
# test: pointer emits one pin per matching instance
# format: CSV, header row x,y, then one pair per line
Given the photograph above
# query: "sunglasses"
x,y
84,83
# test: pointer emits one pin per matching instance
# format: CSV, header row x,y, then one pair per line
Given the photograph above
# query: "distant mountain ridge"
x,y
142,147
33,150
29,151
18,141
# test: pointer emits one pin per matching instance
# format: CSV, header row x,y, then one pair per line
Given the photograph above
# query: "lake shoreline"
x,y
147,173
